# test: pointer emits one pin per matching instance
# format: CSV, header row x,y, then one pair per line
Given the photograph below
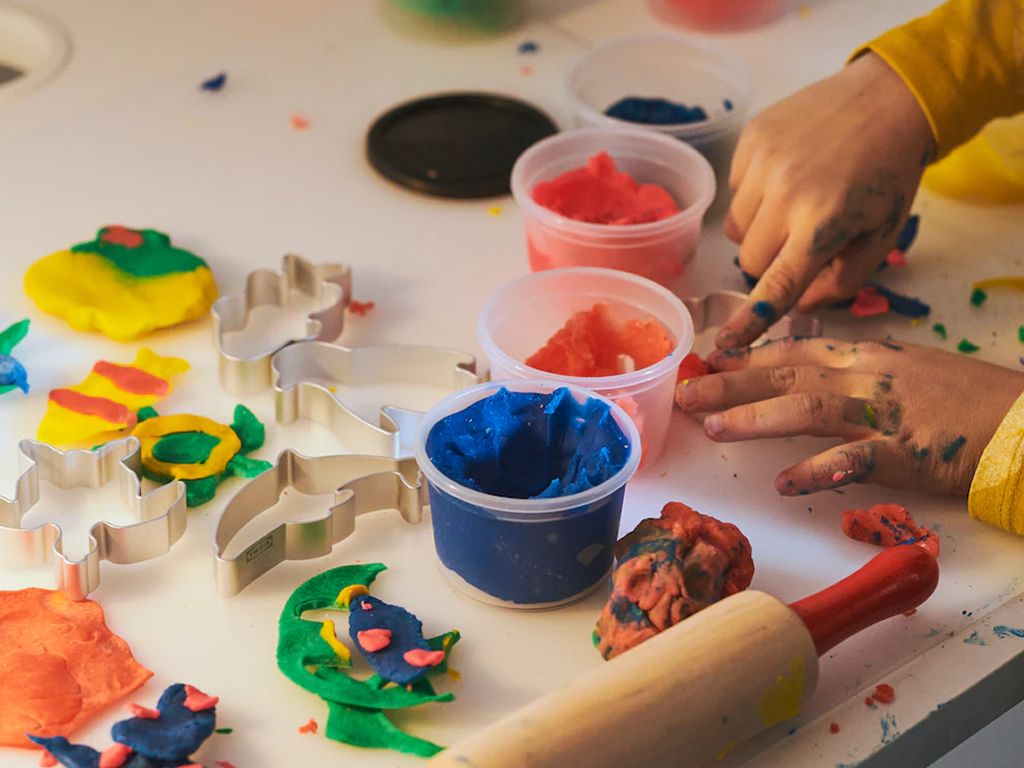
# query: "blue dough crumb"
x,y
906,306
908,234
12,374
528,46
406,635
655,111
525,445
214,83
727,103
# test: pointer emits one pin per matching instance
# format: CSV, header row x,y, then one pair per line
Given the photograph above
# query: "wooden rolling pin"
x,y
697,690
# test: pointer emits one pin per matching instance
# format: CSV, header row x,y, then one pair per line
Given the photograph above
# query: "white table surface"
x,y
123,135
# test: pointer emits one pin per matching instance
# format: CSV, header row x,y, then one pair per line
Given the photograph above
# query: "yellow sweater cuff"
x,y
997,491
962,62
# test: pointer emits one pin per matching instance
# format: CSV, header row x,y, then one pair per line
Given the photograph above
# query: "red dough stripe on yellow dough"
x,y
130,379
86,405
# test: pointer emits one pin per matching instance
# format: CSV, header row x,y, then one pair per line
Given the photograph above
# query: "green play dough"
x,y
154,257
356,707
185,447
249,429
12,336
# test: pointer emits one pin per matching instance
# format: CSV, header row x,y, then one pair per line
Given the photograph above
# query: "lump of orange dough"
x,y
599,193
670,568
59,665
594,343
888,525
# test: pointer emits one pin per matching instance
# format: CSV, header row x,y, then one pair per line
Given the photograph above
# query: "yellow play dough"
x,y
87,291
987,169
151,430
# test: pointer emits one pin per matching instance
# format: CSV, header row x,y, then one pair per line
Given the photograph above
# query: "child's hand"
x,y
910,417
823,182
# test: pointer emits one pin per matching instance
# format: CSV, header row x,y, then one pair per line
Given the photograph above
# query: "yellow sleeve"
x,y
964,63
997,491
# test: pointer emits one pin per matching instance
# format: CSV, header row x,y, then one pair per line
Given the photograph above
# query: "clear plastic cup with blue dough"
x,y
526,552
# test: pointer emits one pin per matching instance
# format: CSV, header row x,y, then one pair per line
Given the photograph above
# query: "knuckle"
x,y
811,405
779,282
782,379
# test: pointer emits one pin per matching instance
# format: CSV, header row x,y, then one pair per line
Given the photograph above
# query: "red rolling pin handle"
x,y
894,581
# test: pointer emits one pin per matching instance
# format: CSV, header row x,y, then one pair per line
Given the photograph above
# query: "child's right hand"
x,y
823,182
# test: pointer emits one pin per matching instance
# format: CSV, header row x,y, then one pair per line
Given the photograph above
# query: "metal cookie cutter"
x,y
304,372
360,484
161,512
718,306
330,285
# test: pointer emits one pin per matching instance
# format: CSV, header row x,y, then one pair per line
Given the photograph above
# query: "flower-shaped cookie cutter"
x,y
359,484
305,375
328,284
161,512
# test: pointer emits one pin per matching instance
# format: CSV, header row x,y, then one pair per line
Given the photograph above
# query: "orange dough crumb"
x,y
361,308
886,525
593,343
833,728
884,694
59,665
310,727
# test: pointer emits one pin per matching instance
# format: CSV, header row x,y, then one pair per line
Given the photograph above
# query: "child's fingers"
x,y
822,414
828,353
857,462
779,288
718,391
744,207
846,275
762,241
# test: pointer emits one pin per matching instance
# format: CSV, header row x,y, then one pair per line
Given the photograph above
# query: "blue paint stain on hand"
x,y
406,635
655,111
766,311
953,448
214,83
525,445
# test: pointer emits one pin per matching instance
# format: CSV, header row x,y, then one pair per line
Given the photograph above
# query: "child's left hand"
x,y
909,416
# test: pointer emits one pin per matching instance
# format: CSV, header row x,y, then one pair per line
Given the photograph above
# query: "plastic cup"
x,y
524,553
720,15
520,317
672,67
658,250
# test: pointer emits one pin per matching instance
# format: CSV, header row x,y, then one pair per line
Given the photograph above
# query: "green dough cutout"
x,y
13,336
185,447
309,659
249,429
141,253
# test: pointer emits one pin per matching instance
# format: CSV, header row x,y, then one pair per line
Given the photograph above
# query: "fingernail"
x,y
687,393
714,423
784,486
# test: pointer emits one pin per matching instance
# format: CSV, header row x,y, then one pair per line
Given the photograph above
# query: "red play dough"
x,y
373,640
115,755
869,302
59,665
87,405
197,701
598,193
692,367
143,713
418,657
887,525
123,236
591,341
131,379
670,568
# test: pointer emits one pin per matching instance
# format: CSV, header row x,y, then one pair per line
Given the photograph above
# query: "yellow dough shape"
x,y
124,284
987,169
104,405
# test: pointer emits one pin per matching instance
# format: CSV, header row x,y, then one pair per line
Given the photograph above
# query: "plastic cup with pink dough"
x,y
673,67
656,249
519,319
720,15
504,532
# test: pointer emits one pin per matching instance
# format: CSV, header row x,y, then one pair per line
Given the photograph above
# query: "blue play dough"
x,y
406,635
80,756
13,373
527,445
172,737
908,234
651,111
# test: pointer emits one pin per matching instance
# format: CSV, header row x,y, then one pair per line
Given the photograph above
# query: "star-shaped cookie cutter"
x,y
717,307
359,484
304,374
161,512
328,284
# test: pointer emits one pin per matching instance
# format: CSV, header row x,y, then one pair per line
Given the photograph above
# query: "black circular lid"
x,y
455,145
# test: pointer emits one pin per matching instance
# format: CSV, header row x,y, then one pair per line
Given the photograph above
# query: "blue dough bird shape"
x,y
406,635
12,373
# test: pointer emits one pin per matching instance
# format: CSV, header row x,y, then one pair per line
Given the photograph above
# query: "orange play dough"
x,y
59,665
592,341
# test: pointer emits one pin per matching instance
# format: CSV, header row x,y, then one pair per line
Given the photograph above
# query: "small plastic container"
x,y
719,15
673,67
658,250
524,553
519,318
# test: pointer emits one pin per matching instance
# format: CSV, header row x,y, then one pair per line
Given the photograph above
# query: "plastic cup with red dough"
x,y
657,250
719,15
519,318
524,553
674,67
